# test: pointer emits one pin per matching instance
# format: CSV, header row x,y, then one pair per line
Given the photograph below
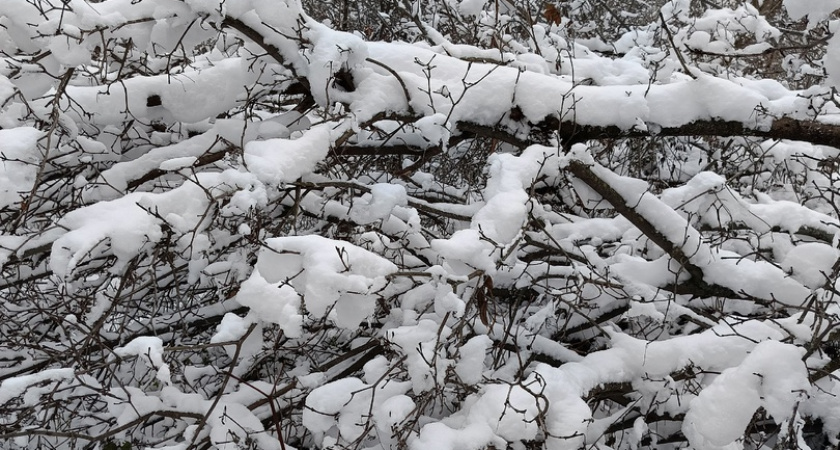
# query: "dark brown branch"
x,y
784,128
572,133
677,51
429,209
697,284
585,174
205,159
255,36
768,51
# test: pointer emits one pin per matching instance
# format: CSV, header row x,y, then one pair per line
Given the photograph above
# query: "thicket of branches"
x,y
601,224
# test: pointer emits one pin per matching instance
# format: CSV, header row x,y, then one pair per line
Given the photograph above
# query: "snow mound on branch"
x,y
330,275
831,60
17,386
499,221
773,376
815,10
19,160
471,364
278,161
721,267
419,342
343,404
333,57
7,89
510,411
114,181
150,350
275,302
811,263
234,328
125,227
440,436
182,97
748,346
471,7
95,224
378,205
229,421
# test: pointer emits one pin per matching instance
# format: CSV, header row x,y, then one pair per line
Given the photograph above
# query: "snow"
x,y
150,350
472,437
447,302
93,225
14,387
510,411
91,229
811,263
393,411
540,95
276,303
815,10
20,157
723,347
332,53
773,376
276,161
756,278
831,60
383,199
178,163
471,7
329,400
114,181
328,275
233,328
419,342
471,364
180,96
339,404
228,420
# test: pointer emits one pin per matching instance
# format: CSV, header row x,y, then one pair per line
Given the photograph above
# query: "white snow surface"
x,y
772,376
383,198
814,10
150,350
20,158
14,387
329,275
